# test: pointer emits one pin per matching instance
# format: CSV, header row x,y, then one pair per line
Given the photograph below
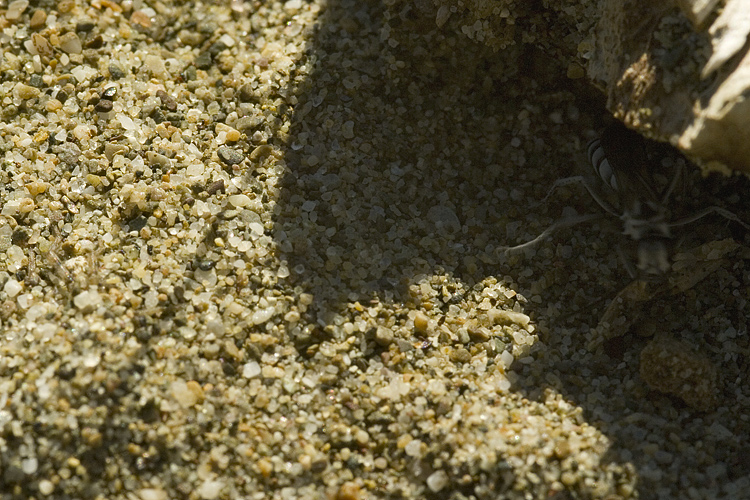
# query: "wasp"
x,y
630,185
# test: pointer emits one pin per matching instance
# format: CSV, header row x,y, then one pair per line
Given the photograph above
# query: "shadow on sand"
x,y
365,212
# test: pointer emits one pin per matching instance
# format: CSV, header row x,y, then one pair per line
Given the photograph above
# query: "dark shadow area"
x,y
362,215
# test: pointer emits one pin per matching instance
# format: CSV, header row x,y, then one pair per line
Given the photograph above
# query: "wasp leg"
x,y
588,184
562,224
708,211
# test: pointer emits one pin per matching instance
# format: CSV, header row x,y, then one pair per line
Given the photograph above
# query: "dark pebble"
x,y
230,156
158,115
246,93
115,72
13,474
84,26
216,187
228,369
460,355
203,61
248,123
103,106
216,48
36,81
149,412
206,265
138,223
9,111
207,28
21,236
166,100
189,73
95,43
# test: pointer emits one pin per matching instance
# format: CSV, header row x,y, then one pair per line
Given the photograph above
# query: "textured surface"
x,y
675,72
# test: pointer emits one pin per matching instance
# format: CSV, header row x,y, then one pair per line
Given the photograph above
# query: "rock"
x,y
672,367
676,75
653,68
230,156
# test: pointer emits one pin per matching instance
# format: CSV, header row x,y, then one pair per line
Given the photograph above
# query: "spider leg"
x,y
561,224
678,175
708,211
588,184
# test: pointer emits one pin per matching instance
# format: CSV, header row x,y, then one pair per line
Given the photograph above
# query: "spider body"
x,y
629,184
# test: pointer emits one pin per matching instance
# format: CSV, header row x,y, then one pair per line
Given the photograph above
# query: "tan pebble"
x,y
46,487
232,134
231,349
568,478
42,45
421,322
65,6
292,317
53,105
265,467
403,441
383,336
460,355
507,317
349,491
110,150
36,187
37,19
26,205
305,461
141,19
41,136
260,152
25,92
91,436
562,449
93,180
479,334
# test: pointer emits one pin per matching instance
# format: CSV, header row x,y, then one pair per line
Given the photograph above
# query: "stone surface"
x,y
676,73
673,367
